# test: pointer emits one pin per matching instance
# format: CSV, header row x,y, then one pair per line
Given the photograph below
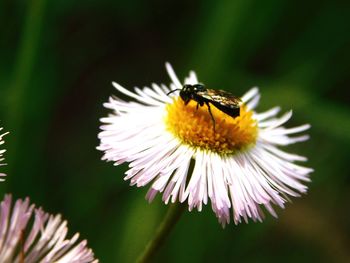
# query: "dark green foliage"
x,y
58,59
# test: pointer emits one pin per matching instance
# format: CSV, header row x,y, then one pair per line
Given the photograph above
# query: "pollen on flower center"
x,y
195,127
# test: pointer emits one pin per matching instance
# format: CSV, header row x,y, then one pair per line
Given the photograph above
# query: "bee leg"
x,y
211,115
200,103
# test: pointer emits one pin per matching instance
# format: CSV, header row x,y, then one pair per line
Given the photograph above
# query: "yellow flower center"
x,y
195,127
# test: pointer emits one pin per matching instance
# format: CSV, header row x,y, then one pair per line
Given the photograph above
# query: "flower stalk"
x,y
171,218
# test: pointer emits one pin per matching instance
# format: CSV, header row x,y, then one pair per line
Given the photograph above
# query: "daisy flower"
x,y
1,154
28,234
173,147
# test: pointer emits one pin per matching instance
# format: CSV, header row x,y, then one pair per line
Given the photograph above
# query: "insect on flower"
x,y
222,100
240,168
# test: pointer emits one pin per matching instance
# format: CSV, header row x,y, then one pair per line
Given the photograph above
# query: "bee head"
x,y
188,91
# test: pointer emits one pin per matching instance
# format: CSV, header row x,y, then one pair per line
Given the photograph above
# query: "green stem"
x,y
26,54
172,216
23,70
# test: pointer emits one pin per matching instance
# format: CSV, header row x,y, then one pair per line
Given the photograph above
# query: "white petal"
x,y
173,76
250,94
191,79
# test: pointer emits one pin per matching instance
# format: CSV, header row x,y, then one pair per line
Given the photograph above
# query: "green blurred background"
x,y
57,61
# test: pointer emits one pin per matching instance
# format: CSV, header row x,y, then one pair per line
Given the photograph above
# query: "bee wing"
x,y
221,97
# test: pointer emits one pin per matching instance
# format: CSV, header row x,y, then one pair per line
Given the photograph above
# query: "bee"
x,y
222,100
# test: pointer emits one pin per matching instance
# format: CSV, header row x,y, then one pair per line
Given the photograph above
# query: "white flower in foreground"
x,y
2,153
28,234
173,147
